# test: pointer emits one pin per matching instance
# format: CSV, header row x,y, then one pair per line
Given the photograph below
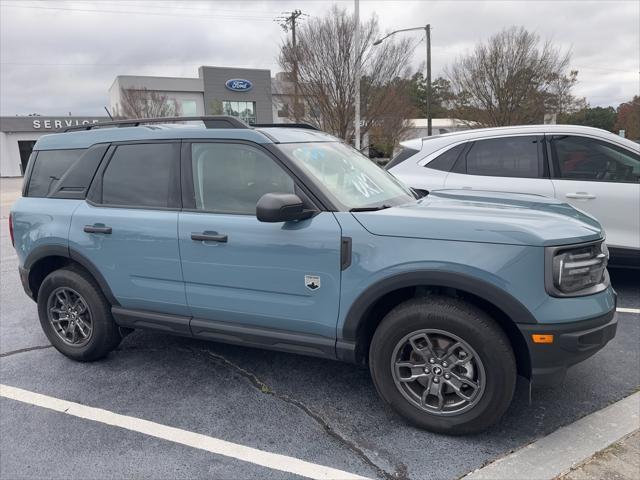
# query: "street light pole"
x,y
357,49
427,29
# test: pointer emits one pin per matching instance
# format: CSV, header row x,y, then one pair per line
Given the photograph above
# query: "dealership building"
x,y
247,93
19,134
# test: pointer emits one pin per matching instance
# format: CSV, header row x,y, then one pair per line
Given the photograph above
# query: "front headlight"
x,y
577,270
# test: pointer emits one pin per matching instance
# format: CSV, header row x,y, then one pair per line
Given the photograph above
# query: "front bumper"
x,y
573,343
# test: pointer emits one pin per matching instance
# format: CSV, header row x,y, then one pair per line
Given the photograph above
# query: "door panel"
x,y
257,277
139,259
615,205
129,231
601,179
245,272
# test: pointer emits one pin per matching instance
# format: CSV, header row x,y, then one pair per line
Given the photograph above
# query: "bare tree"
x,y
143,103
325,56
511,79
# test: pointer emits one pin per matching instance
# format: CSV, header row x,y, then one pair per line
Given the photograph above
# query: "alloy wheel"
x,y
438,372
70,316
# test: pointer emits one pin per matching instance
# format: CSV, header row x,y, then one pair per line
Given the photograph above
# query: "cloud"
x,y
62,57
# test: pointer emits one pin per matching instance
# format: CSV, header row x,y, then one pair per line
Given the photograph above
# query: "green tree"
x,y
599,117
441,96
629,118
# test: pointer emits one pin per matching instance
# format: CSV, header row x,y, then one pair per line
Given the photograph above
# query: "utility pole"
x,y
428,30
358,74
289,22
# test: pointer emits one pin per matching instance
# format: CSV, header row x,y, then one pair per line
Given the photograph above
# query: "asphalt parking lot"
x,y
316,410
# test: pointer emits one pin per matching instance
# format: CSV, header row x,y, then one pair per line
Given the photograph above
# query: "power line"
x,y
146,13
152,5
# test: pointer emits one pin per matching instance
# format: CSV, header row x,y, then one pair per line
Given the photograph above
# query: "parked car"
x,y
591,169
288,239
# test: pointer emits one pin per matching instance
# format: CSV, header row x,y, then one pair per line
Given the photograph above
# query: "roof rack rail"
x,y
308,126
210,121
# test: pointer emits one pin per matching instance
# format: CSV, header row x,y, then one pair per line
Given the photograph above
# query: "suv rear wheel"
x,y
75,315
443,364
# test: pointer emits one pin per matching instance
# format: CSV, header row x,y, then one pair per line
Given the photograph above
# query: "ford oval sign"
x,y
239,85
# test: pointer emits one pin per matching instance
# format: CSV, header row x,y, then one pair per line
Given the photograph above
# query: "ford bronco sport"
x,y
286,238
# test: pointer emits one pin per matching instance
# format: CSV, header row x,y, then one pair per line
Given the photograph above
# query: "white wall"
x,y
10,154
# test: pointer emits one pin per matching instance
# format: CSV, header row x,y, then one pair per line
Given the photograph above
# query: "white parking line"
x,y
177,435
628,310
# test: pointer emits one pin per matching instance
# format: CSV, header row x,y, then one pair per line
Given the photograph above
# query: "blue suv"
x,y
288,239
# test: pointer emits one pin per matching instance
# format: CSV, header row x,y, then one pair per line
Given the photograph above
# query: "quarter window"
x,y
582,158
231,178
141,175
504,157
447,160
50,166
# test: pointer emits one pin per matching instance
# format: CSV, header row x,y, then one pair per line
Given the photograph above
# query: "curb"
x,y
567,447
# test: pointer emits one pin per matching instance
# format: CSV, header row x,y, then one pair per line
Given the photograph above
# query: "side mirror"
x,y
281,207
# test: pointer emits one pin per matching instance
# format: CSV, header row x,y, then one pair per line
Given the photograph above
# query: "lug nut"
x,y
432,360
426,370
447,376
436,380
445,364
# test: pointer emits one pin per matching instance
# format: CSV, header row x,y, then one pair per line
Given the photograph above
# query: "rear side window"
x,y
401,157
504,157
447,160
141,175
49,167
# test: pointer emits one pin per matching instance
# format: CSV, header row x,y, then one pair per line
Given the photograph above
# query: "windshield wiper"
x,y
369,209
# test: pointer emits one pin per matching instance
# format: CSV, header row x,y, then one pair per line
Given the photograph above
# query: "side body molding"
x,y
494,295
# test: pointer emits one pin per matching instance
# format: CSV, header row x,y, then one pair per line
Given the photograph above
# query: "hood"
x,y
490,217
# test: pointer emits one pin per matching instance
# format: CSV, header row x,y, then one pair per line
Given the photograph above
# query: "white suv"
x,y
592,169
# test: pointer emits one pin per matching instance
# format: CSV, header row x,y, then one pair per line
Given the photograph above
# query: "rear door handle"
x,y
209,237
97,229
581,195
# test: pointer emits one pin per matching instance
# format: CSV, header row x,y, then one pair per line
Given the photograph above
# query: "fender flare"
x,y
44,251
502,300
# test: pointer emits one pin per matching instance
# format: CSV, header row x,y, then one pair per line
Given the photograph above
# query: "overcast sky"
x,y
61,56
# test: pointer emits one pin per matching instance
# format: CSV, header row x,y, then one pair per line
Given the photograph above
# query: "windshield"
x,y
348,177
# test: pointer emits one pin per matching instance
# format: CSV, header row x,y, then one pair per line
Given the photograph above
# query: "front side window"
x,y
50,166
504,157
348,177
582,158
231,178
141,175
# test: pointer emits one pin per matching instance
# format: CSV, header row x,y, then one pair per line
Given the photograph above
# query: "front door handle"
x,y
97,229
581,195
209,237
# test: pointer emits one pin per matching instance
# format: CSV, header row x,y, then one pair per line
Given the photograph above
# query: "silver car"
x,y
591,169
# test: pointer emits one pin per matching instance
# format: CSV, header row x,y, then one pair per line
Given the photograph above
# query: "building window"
x,y
283,112
245,111
189,108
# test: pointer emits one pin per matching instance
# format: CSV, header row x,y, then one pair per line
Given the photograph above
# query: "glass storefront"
x,y
246,111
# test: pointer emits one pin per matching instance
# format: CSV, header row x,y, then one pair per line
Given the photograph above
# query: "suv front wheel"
x,y
76,316
443,364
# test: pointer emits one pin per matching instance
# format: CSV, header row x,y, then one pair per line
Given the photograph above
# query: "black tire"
x,y
104,335
469,324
